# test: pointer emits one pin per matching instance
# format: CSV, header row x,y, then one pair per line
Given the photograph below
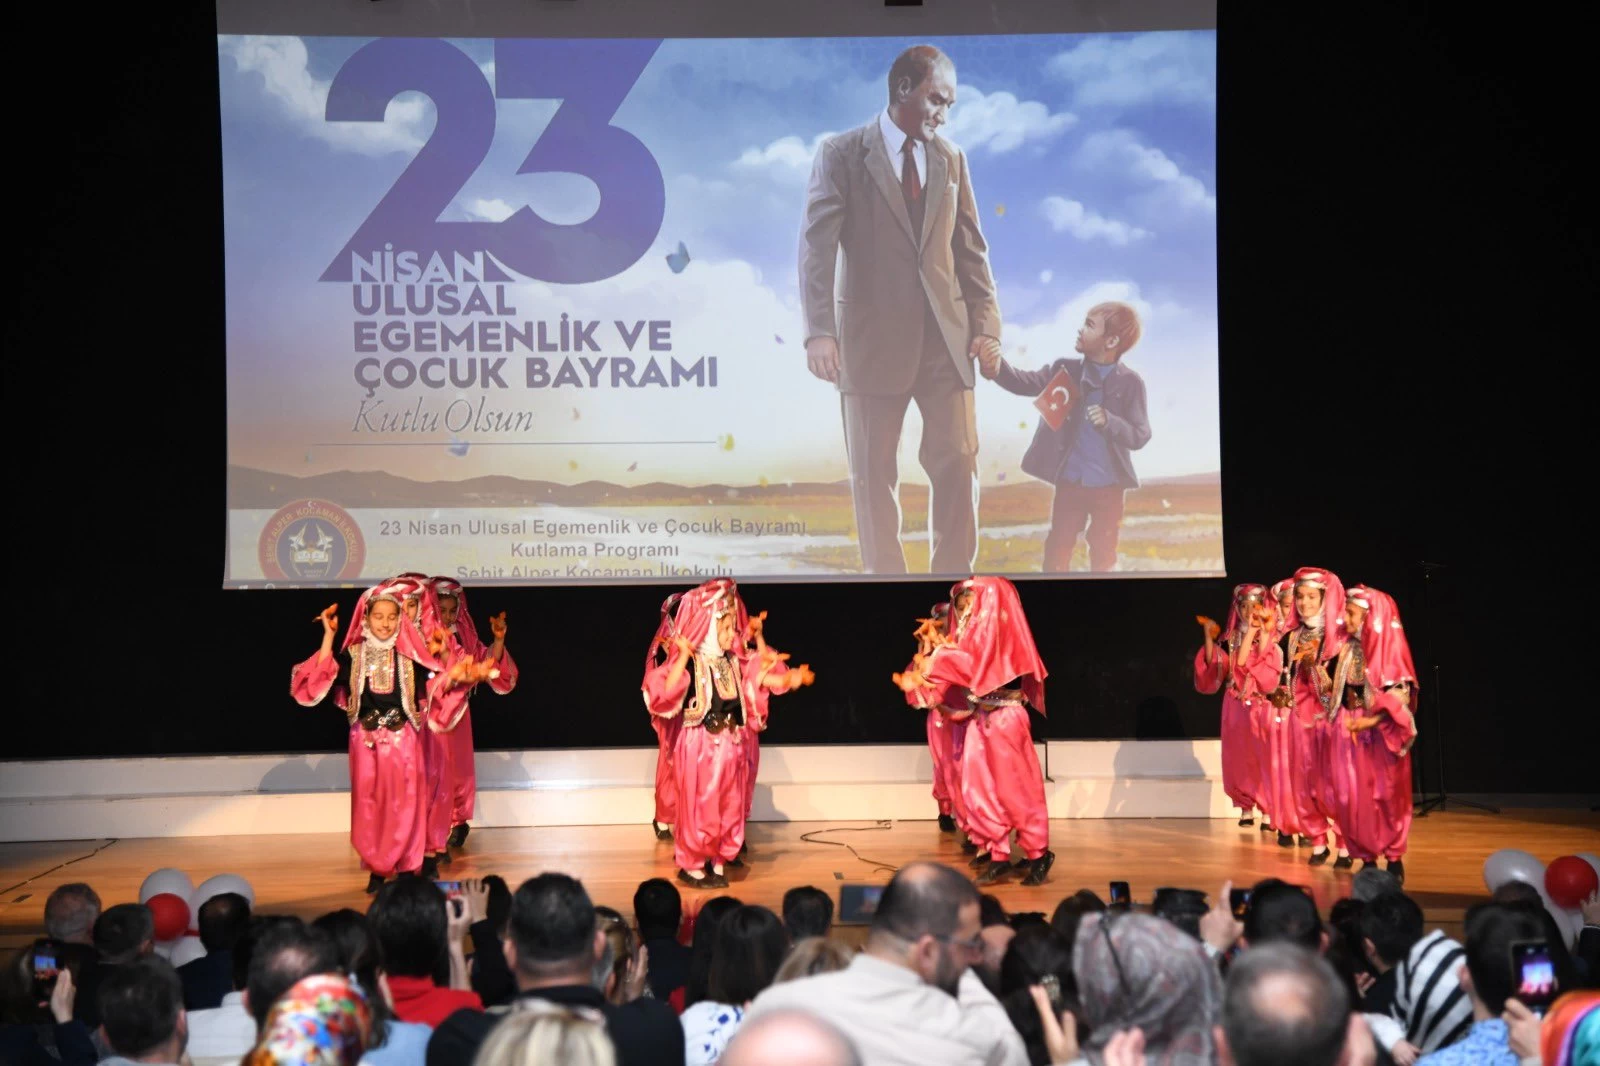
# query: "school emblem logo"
x,y
311,540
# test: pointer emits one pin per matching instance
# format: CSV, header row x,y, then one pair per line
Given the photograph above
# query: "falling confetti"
x,y
458,447
1045,276
763,482
777,338
726,442
679,259
632,467
1000,210
1022,425
572,464
1001,476
1166,504
575,415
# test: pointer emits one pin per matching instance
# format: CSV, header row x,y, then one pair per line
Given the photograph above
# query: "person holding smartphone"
x,y
44,1007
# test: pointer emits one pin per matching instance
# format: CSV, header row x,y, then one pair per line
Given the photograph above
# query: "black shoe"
x,y
1317,858
980,860
443,858
1398,868
684,877
1302,841
1266,826
1247,822
969,847
374,882
735,863
947,824
995,871
662,832
1039,869
1343,862
1285,840
458,835
430,869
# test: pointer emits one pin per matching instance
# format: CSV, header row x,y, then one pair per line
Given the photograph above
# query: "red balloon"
x,y
171,912
1569,881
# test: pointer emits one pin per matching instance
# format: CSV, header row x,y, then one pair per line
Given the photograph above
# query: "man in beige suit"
x,y
908,311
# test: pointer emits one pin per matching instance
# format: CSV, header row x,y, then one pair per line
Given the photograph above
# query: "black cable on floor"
x,y
810,838
57,866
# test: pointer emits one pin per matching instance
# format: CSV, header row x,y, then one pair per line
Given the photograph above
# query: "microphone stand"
x,y
1426,803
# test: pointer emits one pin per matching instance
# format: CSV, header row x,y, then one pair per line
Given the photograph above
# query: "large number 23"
x,y
590,78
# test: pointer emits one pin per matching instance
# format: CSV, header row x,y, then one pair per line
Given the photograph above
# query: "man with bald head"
x,y
911,996
789,1038
1285,1004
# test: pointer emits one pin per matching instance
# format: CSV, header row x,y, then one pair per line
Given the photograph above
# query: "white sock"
x,y
717,869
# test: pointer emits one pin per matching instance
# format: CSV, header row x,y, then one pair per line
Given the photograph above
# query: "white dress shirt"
x,y
897,1020
223,1033
894,139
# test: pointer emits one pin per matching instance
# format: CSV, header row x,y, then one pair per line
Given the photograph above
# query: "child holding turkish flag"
x,y
1092,417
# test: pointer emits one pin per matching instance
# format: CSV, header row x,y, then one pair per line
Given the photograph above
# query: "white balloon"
x,y
216,886
187,950
1511,864
166,879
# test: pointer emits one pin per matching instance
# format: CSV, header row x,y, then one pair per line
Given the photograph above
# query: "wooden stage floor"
x,y
310,874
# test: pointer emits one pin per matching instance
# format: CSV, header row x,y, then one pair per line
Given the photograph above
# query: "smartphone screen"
x,y
1120,896
45,969
1535,974
1239,901
451,889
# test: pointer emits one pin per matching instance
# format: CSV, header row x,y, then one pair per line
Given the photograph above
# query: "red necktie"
x,y
910,184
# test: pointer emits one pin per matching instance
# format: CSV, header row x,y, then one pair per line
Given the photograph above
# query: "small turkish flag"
x,y
1056,401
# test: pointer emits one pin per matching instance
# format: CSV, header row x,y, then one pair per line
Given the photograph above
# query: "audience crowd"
x,y
491,977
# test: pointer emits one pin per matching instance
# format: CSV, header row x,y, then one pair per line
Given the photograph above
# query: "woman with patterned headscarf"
x,y
1136,971
323,1020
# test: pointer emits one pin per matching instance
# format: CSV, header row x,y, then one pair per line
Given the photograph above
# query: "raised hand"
x,y
800,675
909,681
497,626
755,627
685,648
330,619
438,642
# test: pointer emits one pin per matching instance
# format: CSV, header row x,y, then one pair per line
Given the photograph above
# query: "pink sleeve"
x,y
1396,723
310,681
508,674
661,698
917,697
1263,668
1209,672
447,701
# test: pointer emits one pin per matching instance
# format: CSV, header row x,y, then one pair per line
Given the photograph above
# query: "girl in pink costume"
x,y
1301,741
1374,719
389,681
992,655
947,727
710,645
1247,661
462,771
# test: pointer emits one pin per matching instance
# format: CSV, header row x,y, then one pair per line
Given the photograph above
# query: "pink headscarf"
x,y
1383,640
690,614
466,629
409,640
994,646
1333,634
1240,594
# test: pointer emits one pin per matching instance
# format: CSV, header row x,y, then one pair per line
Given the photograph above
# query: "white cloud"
x,y
1046,276
786,158
1070,216
495,210
1150,166
303,98
1002,123
1149,68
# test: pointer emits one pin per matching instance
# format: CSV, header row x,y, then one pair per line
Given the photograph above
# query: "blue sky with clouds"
x,y
1093,160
